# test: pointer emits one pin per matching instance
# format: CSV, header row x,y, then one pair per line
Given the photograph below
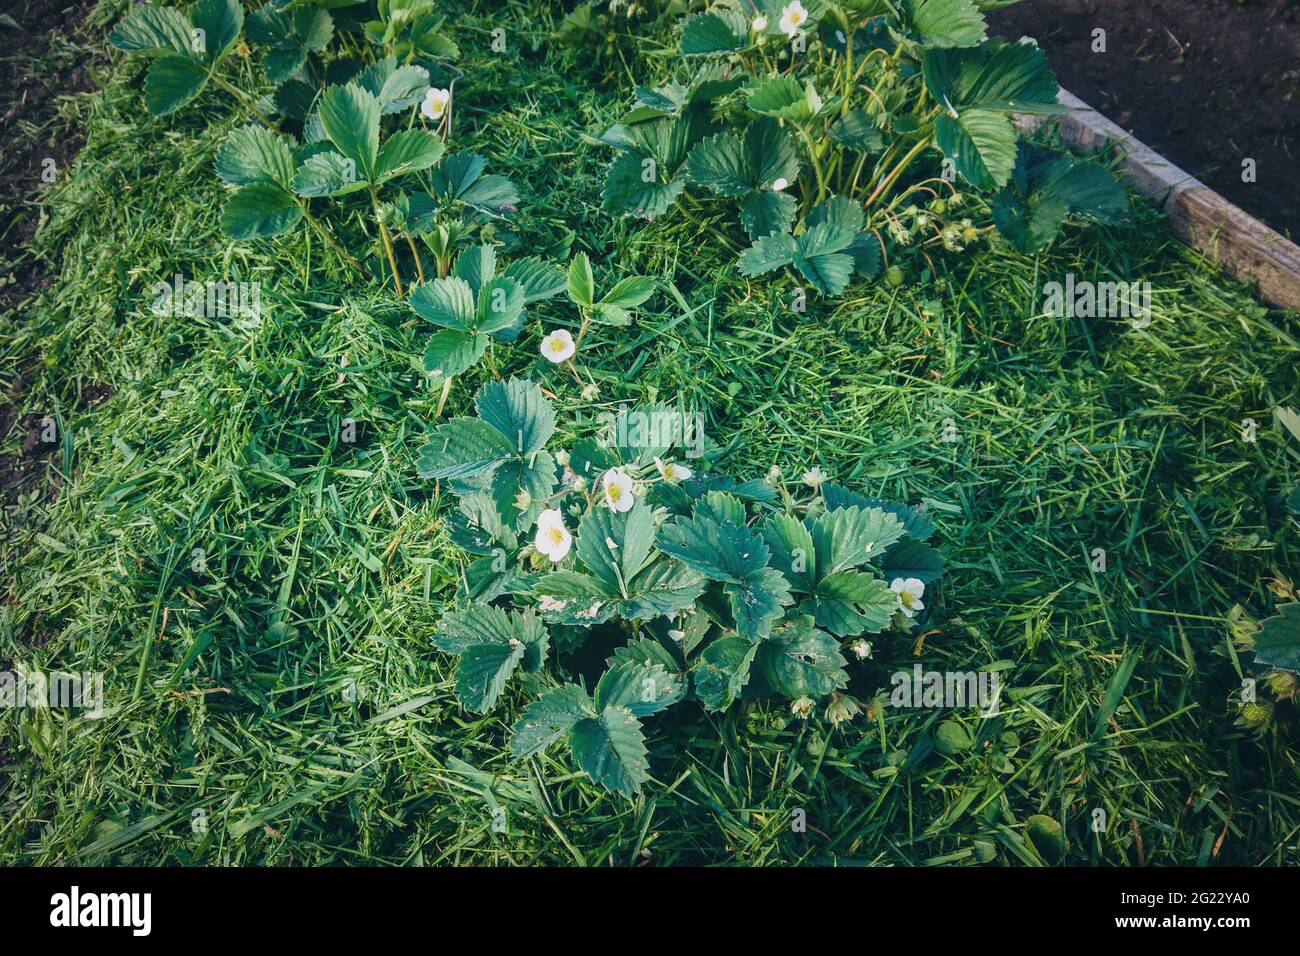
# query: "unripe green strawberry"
x,y
894,276
1281,683
1255,715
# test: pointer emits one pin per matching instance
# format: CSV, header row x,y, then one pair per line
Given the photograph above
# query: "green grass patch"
x,y
260,593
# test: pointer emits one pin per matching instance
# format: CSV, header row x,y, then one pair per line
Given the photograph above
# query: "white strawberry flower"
x,y
779,184
793,16
558,346
909,591
435,103
862,649
814,477
759,24
619,490
673,472
553,539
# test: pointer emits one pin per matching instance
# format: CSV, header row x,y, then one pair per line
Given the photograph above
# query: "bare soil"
x,y
1207,83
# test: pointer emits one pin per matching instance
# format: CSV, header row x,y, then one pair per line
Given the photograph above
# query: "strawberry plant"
x,y
261,164
187,50
476,305
707,590
409,29
842,132
290,37
360,159
613,308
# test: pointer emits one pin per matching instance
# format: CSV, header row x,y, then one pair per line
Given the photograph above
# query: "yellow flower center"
x,y
556,536
615,492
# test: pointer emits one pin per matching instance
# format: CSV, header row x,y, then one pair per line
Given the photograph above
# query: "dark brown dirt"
x,y
37,66
1207,83
46,57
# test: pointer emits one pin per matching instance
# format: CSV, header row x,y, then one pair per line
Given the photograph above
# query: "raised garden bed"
x,y
1207,83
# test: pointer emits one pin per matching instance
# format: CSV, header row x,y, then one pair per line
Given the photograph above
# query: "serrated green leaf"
x,y
722,671
944,23
477,265
350,117
784,97
462,628
1028,227
793,553
767,253
857,131
721,506
259,210
479,528
327,173
517,409
451,352
643,687
801,661
849,537
758,602
154,29
997,76
912,559
408,151
981,145
629,292
820,257
1045,188
849,603
717,31
916,523
482,672
549,718
463,448
632,188
616,546
721,551
447,302
841,215
459,178
764,212
500,305
581,282
534,474
172,81
538,278
611,749
664,588
219,23
394,88
255,154
718,163
1278,642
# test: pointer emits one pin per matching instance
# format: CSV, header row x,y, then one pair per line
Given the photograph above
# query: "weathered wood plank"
x,y
1240,244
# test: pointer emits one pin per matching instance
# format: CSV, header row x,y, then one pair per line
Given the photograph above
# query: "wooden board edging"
x,y
1240,244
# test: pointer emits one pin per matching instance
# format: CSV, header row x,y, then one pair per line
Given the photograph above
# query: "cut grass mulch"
x,y
260,593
